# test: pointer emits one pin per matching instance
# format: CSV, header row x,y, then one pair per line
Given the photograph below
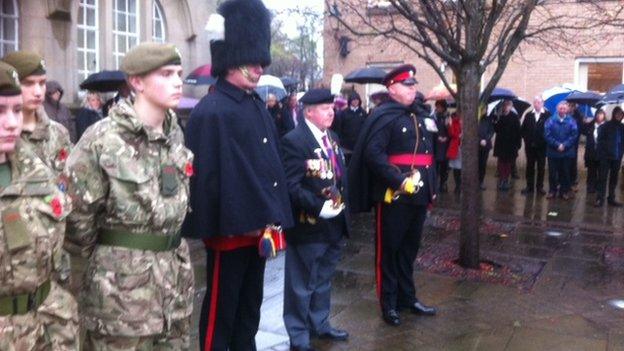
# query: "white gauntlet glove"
x,y
329,211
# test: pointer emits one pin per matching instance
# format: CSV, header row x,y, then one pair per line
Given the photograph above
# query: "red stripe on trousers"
x,y
214,295
378,263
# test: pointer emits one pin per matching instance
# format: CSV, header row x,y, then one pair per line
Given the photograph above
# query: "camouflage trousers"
x,y
54,326
176,338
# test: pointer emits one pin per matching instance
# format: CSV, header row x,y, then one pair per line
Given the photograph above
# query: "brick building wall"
x,y
532,70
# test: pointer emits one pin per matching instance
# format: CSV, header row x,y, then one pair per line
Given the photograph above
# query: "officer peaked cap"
x,y
403,74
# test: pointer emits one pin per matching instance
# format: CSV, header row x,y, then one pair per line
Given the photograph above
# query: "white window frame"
x,y
580,76
12,17
83,48
119,53
158,20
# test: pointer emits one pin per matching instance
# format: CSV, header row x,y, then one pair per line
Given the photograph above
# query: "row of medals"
x,y
321,168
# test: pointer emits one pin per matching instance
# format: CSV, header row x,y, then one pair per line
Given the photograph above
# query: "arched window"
x,y
159,24
125,27
87,45
9,15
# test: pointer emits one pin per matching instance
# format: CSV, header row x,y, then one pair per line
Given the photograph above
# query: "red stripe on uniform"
x,y
378,258
214,295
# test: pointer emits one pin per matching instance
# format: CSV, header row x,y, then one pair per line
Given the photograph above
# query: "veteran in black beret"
x,y
393,170
315,174
239,191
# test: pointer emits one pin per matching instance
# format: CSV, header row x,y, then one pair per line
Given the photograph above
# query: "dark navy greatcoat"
x,y
390,130
610,144
306,186
239,183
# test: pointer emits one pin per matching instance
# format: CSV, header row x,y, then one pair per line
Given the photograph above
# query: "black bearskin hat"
x,y
247,38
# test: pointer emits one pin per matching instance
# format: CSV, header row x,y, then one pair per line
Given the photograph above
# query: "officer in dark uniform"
x,y
239,188
393,167
315,169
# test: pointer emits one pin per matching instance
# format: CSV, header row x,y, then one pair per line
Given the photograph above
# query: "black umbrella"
x,y
366,75
584,98
104,81
501,94
615,95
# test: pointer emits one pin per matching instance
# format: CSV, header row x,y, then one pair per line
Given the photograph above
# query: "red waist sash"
x,y
421,160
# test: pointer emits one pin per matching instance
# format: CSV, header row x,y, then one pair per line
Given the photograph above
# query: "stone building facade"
x,y
79,37
533,69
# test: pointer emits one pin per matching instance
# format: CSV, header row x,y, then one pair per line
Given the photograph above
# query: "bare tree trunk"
x,y
468,90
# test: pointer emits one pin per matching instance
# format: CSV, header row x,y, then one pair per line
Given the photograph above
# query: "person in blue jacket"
x,y
560,132
610,148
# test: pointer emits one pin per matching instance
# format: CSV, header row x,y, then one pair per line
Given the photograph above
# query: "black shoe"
x,y
598,203
392,317
541,191
334,334
301,348
527,191
419,308
614,203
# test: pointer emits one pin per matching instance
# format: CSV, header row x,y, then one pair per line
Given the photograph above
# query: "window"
x,y
599,74
159,34
87,40
125,27
8,26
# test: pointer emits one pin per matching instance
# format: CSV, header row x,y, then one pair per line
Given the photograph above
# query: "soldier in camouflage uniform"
x,y
35,312
128,177
49,139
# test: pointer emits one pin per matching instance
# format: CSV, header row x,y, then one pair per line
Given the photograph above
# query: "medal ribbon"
x,y
332,156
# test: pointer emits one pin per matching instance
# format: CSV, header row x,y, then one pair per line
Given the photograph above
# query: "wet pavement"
x,y
556,283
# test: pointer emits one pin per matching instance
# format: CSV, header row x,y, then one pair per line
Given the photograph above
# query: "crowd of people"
x,y
548,140
124,187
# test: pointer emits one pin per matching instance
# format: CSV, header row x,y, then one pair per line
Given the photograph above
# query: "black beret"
x,y
317,96
26,63
403,73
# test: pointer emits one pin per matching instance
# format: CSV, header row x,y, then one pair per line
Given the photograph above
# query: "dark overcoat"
x,y
300,151
508,138
239,183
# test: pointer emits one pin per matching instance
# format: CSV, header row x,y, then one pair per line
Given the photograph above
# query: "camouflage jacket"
x,y
50,141
33,212
114,178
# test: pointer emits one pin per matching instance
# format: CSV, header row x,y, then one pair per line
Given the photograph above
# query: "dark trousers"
x,y
504,168
592,174
610,169
574,167
457,178
309,269
442,169
559,174
230,312
483,157
536,158
399,229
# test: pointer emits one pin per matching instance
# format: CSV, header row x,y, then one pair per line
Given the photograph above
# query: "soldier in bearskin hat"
x,y
239,189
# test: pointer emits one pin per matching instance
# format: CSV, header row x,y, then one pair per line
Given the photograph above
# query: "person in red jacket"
x,y
453,152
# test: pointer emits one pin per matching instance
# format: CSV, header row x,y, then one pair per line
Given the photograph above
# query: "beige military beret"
x,y
9,80
147,57
26,63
